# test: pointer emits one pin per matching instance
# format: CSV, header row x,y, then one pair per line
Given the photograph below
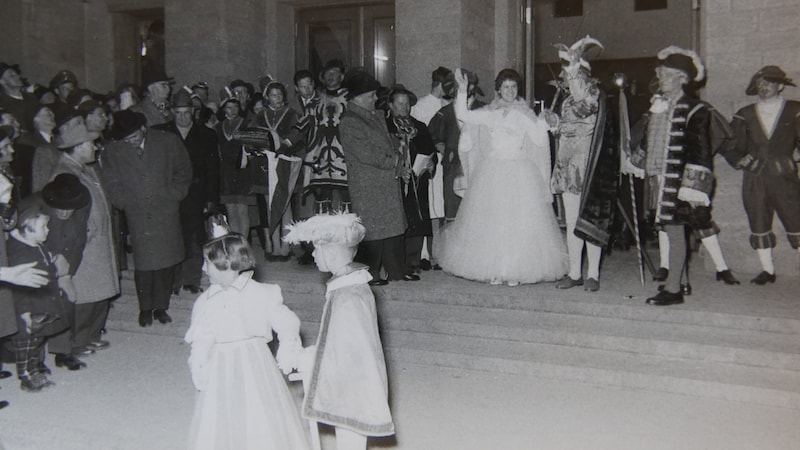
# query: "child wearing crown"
x,y
347,385
243,401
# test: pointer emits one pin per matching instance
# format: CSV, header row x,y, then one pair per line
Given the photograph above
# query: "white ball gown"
x,y
506,229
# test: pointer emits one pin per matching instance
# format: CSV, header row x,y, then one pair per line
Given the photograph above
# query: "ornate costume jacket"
x,y
319,128
685,160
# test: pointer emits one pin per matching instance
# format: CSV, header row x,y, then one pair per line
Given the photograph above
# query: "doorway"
x,y
361,36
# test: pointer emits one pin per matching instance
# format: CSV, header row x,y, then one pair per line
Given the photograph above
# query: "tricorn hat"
x,y
66,192
73,135
126,122
769,73
684,60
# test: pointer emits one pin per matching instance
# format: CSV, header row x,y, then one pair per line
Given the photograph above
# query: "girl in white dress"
x,y
243,402
506,230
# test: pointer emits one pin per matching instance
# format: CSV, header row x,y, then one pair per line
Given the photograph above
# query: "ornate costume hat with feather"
x,y
574,56
684,60
339,228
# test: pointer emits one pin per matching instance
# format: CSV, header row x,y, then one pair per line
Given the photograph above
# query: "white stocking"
x,y
711,243
572,203
663,249
765,256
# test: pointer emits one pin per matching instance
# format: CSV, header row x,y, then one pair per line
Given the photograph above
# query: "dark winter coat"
x,y
149,188
372,156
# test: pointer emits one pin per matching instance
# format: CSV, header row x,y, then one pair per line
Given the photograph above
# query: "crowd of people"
x,y
442,182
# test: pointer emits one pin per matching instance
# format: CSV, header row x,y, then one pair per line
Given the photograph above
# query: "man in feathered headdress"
x,y
348,387
767,150
586,164
677,159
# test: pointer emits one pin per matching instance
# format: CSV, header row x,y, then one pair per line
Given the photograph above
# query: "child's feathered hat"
x,y
576,53
339,228
684,60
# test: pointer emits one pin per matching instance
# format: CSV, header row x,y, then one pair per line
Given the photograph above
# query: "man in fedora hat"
x,y
12,96
96,278
201,143
677,159
376,168
767,151
146,173
155,105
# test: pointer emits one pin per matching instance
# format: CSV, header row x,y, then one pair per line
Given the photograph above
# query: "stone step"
x,y
427,334
696,378
672,340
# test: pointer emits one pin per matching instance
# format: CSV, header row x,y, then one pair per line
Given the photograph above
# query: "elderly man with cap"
x,y
146,173
767,133
678,163
376,167
201,143
326,176
64,83
96,279
155,105
68,202
12,96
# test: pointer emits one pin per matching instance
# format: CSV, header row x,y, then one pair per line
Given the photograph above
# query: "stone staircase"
x,y
730,343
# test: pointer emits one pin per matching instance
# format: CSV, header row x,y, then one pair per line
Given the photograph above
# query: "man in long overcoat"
x,y
96,279
375,170
201,143
147,173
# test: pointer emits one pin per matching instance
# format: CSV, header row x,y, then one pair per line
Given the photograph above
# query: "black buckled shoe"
x,y
661,274
162,316
763,278
4,374
69,361
727,276
410,277
665,298
378,282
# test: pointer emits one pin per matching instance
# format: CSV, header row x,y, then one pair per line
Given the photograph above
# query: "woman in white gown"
x,y
506,230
